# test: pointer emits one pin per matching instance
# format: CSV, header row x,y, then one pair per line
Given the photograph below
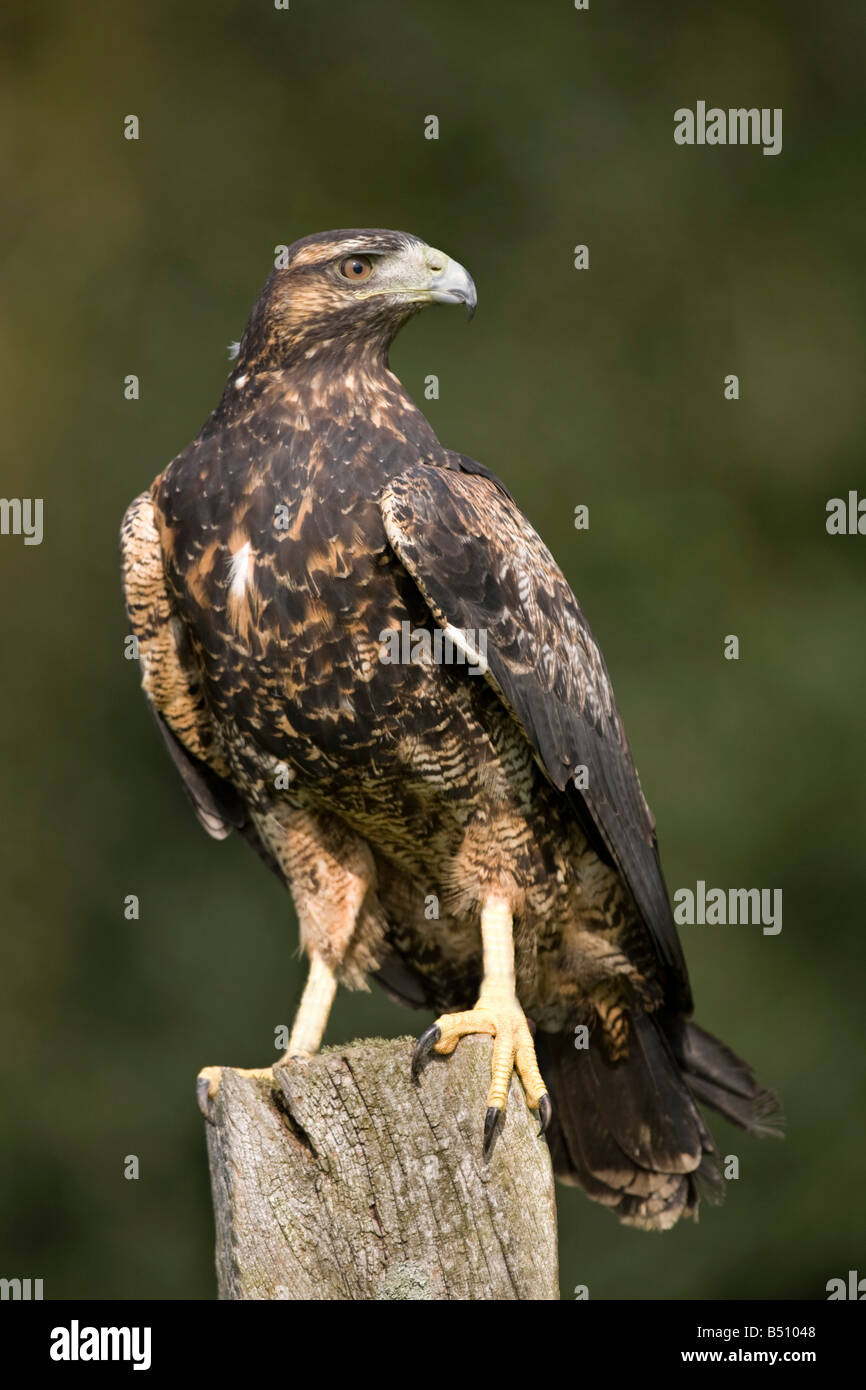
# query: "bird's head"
x,y
342,291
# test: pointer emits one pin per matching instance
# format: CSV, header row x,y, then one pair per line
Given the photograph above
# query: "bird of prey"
x,y
363,658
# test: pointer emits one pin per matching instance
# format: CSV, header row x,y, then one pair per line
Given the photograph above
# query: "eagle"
x,y
454,810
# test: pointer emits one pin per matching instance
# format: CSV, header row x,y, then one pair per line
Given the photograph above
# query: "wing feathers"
x,y
480,565
169,681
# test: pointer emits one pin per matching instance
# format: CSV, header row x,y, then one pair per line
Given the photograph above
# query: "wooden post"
x,y
337,1177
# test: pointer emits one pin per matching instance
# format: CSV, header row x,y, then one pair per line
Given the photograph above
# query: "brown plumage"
x,y
315,513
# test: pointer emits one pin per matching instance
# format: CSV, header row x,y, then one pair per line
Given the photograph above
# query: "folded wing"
x,y
482,568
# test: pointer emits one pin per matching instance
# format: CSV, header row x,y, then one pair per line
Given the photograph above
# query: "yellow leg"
x,y
313,1010
499,1014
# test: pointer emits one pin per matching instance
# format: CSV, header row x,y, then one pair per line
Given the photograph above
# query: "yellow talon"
x,y
513,1047
499,1014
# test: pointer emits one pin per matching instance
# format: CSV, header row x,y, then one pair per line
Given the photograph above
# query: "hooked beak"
x,y
453,285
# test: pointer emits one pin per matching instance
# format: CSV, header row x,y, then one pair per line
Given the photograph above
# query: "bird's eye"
x,y
356,267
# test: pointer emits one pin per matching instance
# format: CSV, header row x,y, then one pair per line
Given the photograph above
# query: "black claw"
x,y
545,1113
424,1049
491,1127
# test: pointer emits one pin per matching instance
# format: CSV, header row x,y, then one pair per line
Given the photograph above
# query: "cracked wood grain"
x,y
334,1177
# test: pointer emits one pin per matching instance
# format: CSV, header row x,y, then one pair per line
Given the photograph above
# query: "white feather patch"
x,y
239,571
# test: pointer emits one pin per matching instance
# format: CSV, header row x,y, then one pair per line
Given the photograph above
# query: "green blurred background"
x,y
602,387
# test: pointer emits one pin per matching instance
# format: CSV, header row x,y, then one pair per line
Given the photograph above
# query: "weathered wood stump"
x,y
336,1177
